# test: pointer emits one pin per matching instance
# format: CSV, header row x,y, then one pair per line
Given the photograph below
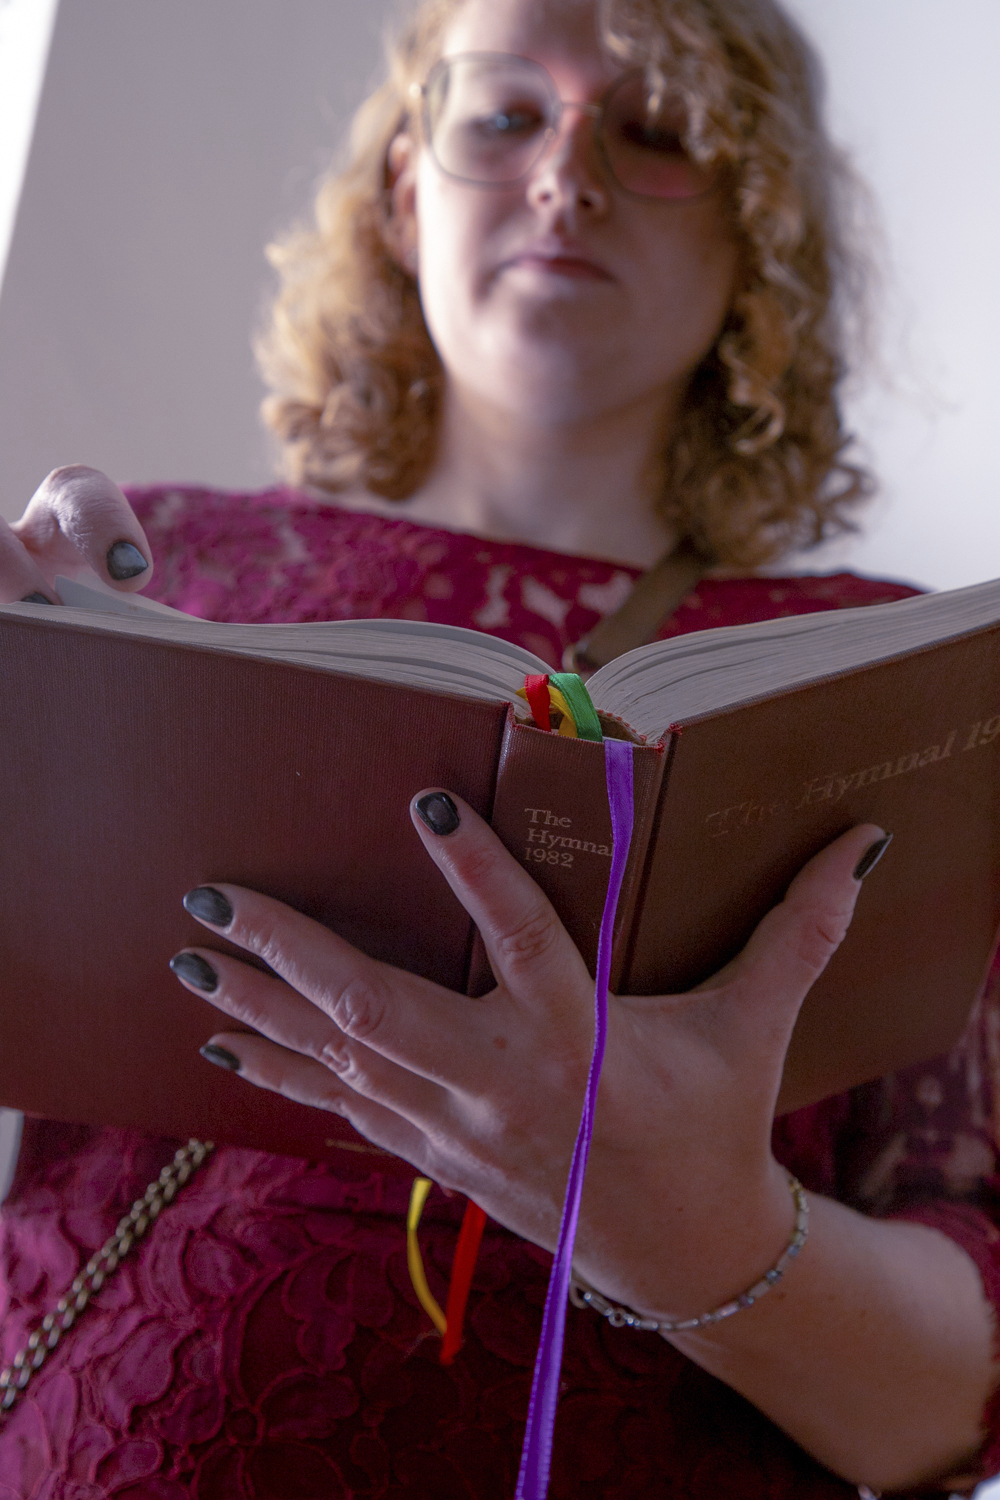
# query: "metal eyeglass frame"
x,y
551,134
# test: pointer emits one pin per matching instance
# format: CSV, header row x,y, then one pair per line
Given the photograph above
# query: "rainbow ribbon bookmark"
x,y
565,692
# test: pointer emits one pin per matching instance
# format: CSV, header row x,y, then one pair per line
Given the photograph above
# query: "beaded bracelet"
x,y
582,1295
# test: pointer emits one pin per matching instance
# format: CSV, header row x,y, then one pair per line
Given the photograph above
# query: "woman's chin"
x,y
553,366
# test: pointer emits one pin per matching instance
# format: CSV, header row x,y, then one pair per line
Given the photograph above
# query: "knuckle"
x,y
250,1011
533,939
820,935
72,477
86,503
346,1064
336,1055
830,929
358,1009
269,937
90,521
262,935
479,863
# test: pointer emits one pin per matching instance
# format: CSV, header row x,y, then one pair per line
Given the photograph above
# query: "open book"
x,y
648,689
144,752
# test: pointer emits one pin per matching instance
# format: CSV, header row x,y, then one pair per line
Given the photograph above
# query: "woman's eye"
x,y
505,124
650,137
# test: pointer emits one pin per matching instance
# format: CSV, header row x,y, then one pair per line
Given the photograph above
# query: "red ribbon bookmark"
x,y
462,1270
536,690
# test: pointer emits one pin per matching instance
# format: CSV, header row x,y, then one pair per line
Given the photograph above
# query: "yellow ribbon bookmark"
x,y
557,699
418,1197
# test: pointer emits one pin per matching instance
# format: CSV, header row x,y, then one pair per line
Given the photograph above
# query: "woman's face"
x,y
562,297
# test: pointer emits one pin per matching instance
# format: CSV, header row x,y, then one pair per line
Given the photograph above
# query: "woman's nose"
x,y
571,173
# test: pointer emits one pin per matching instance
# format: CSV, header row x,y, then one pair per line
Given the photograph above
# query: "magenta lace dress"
x,y
265,1341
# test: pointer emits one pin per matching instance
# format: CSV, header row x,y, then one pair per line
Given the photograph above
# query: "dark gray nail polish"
x,y
193,968
209,905
871,857
220,1057
439,812
37,598
125,561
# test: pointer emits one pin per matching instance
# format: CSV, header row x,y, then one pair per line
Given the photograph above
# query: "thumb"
x,y
529,950
78,516
791,947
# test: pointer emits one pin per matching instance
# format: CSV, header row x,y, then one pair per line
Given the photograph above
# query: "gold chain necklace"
x,y
14,1378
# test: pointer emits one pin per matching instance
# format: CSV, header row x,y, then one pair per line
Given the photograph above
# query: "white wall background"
x,y
173,140
913,95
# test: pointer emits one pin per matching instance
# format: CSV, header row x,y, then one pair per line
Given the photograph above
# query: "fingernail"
x,y
125,561
37,598
220,1057
209,905
439,812
193,968
871,857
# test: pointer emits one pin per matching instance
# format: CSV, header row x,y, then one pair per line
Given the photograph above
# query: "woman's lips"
x,y
576,267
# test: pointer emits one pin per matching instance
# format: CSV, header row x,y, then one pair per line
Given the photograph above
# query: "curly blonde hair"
x,y
756,465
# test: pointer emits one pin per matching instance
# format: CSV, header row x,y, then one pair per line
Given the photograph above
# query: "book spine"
x,y
551,811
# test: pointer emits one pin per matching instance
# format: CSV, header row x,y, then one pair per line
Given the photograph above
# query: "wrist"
x,y
583,1295
698,1268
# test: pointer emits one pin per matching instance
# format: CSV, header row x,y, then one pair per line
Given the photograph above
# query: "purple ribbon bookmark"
x,y
536,1455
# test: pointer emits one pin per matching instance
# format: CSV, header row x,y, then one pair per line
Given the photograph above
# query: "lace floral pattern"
x,y
264,1341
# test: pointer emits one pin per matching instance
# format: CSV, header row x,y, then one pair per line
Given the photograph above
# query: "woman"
x,y
573,305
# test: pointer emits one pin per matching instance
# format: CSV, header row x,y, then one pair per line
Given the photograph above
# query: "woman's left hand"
x,y
484,1096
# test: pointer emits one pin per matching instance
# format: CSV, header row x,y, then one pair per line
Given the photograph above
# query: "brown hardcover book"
x,y
143,753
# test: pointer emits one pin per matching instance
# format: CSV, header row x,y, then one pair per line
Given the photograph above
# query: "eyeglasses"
x,y
490,118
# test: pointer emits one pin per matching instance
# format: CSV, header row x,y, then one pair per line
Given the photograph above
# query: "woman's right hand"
x,y
78,523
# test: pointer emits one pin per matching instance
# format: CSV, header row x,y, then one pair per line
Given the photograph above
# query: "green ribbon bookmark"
x,y
588,725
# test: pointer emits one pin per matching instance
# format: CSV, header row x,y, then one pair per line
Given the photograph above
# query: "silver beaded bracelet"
x,y
582,1295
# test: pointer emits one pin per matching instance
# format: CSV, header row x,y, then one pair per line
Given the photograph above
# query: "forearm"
x,y
875,1353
